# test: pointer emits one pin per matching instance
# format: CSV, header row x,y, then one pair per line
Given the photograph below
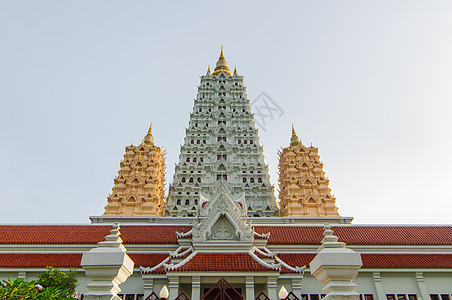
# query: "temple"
x,y
221,234
303,187
139,186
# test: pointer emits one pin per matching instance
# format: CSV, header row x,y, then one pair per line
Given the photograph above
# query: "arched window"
x,y
244,180
194,159
201,159
252,180
192,141
188,159
183,179
187,202
259,180
199,179
191,180
178,202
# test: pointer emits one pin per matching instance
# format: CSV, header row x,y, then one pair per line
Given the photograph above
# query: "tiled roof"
x,y
164,234
226,262
40,260
87,234
382,260
407,260
361,235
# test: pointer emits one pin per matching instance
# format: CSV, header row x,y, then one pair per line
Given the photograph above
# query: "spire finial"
x,y
235,70
148,139
295,140
222,65
208,70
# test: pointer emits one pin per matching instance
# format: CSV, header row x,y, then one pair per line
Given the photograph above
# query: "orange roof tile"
x,y
361,235
226,262
86,234
164,234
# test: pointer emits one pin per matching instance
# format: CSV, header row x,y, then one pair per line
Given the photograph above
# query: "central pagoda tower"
x,y
221,143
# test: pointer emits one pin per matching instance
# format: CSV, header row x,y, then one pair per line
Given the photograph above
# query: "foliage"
x,y
52,284
55,278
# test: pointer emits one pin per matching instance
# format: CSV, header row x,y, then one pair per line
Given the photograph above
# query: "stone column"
x,y
249,284
379,286
148,286
336,266
272,286
196,288
296,286
173,287
422,287
107,266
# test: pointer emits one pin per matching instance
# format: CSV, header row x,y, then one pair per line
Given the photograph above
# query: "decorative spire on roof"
x,y
148,139
235,70
139,186
208,70
222,65
295,140
303,185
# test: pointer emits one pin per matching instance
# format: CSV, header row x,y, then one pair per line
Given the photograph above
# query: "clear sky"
x,y
367,82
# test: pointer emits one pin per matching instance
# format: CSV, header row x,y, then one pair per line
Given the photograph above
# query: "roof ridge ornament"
x,y
148,138
295,140
222,65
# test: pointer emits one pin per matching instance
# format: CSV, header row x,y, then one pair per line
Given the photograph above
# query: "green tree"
x,y
52,284
53,277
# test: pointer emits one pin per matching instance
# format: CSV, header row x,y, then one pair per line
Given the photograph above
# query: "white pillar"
x,y
336,266
107,266
249,288
148,285
272,286
196,288
296,286
379,286
173,286
422,287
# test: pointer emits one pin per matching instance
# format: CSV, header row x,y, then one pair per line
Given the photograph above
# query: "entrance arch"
x,y
222,290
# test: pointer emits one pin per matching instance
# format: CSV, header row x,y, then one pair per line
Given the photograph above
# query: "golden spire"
x,y
208,70
235,70
222,65
148,139
295,140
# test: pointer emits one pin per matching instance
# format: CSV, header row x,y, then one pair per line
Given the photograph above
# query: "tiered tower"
x,y
303,187
139,186
221,143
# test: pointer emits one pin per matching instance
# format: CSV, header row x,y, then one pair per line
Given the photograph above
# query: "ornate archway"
x,y
222,290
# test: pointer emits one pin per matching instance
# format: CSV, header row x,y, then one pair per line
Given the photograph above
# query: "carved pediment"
x,y
224,218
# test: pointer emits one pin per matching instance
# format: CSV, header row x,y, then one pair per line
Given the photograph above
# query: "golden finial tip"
x,y
222,65
148,139
295,140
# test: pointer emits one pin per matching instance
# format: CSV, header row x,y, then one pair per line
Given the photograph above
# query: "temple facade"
x,y
139,186
220,234
303,186
221,142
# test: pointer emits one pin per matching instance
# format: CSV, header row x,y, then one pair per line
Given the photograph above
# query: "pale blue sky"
x,y
368,82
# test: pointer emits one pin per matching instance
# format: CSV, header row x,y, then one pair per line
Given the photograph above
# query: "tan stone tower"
x,y
303,186
139,186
